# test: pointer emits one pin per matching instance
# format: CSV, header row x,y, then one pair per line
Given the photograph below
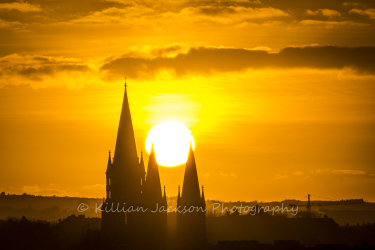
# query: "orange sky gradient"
x,y
280,96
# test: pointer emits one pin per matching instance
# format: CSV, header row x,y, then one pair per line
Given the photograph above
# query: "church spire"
x,y
152,189
202,192
191,228
109,163
125,151
190,188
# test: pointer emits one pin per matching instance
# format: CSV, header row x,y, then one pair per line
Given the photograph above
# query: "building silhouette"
x,y
129,188
191,226
123,226
155,217
124,177
130,194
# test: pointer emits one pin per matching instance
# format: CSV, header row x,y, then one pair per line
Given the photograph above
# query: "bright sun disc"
x,y
171,143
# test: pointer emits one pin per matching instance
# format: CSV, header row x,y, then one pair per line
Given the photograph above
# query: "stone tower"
x,y
123,184
191,226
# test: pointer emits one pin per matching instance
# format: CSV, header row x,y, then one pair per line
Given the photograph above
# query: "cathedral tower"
x,y
123,182
154,219
191,226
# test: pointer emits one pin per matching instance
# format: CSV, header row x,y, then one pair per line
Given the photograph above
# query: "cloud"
x,y
169,51
36,190
279,176
35,68
353,172
228,175
318,171
237,11
95,187
207,60
38,71
298,173
324,12
20,6
370,13
331,24
146,15
180,60
155,13
6,24
341,171
350,4
129,16
221,22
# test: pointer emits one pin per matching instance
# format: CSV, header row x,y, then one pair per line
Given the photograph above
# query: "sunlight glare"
x,y
171,143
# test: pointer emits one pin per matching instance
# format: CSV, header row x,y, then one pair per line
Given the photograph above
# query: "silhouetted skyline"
x,y
136,214
205,124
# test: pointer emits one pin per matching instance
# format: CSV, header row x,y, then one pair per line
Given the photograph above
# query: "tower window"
x,y
109,181
109,194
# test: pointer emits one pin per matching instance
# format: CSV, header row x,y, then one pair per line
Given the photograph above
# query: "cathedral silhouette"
x,y
132,196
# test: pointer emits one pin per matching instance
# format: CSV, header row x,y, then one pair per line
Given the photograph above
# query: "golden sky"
x,y
280,95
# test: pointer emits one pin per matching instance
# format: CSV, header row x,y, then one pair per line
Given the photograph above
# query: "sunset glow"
x,y
278,94
171,143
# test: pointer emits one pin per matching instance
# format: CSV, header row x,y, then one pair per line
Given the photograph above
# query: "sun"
x,y
171,143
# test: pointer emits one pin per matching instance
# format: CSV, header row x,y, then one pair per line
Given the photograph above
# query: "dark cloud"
x,y
53,11
210,10
35,68
206,60
36,73
298,10
57,11
299,6
167,50
72,27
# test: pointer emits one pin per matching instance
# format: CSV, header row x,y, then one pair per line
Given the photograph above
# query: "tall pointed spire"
x,y
125,152
109,163
126,178
152,190
190,188
123,181
191,228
